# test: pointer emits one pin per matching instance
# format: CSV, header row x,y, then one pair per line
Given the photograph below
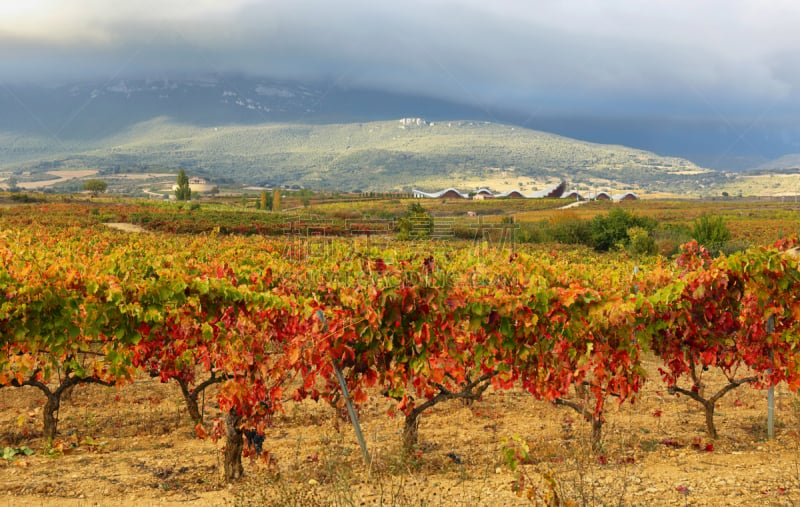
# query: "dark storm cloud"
x,y
544,57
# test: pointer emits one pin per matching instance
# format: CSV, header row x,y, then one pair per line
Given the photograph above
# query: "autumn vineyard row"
x,y
271,321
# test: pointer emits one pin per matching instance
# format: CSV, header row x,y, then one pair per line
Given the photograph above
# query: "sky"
x,y
733,63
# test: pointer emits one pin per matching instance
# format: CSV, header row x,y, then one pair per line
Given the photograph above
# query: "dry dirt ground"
x,y
134,445
122,226
58,177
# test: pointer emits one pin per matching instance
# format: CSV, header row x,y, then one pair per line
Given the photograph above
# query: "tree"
x,y
95,186
12,184
305,197
276,199
266,201
183,192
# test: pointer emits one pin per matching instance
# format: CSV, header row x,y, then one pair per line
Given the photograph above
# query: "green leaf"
x,y
208,331
505,327
202,286
9,453
475,322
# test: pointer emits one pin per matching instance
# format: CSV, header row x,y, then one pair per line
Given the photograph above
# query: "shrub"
x,y
669,239
711,232
640,242
417,223
530,233
569,229
611,230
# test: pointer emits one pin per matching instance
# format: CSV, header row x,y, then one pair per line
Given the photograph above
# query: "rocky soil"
x,y
134,445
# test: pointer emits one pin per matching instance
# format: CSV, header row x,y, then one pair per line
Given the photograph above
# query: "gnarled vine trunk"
x,y
53,403
190,396
596,420
411,430
712,430
471,390
709,404
597,432
51,407
191,402
234,443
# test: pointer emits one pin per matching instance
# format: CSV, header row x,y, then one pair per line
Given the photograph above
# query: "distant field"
x,y
749,220
57,177
440,207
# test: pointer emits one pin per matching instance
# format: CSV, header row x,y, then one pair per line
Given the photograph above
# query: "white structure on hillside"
x,y
450,193
554,191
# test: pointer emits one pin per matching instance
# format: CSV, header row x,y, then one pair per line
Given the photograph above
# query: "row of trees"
x,y
270,201
267,201
418,328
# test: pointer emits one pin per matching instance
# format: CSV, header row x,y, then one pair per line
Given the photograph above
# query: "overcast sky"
x,y
737,59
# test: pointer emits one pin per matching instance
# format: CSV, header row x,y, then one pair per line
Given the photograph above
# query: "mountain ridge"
x,y
382,155
86,111
788,162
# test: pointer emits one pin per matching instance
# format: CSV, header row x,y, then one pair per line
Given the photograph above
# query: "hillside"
x,y
785,163
383,155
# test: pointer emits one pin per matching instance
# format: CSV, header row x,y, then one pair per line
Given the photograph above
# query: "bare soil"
x,y
59,176
134,445
126,227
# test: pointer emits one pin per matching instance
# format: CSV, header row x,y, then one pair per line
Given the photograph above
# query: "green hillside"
x,y
387,155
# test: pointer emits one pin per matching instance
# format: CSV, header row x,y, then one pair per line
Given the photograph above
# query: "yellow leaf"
x,y
294,355
796,311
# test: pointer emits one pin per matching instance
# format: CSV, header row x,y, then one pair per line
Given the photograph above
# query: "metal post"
x,y
771,412
350,410
353,416
771,391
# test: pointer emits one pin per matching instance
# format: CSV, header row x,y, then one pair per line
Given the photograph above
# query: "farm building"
x,y
512,194
599,196
484,193
448,193
550,193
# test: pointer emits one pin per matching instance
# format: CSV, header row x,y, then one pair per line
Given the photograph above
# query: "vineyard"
x,y
244,340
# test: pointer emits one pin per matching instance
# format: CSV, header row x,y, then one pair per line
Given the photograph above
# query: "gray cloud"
x,y
626,56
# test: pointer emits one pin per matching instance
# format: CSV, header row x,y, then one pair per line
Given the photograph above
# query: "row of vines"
x,y
273,322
